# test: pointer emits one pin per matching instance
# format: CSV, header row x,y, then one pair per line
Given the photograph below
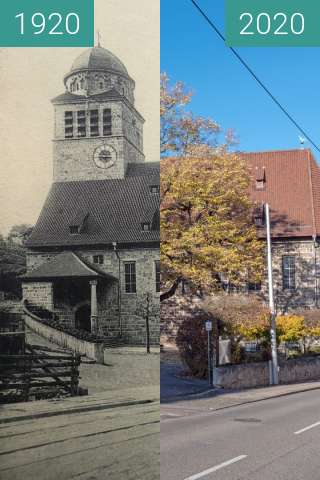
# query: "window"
x,y
254,287
98,259
260,175
157,270
94,123
107,122
68,124
288,272
74,229
81,119
130,277
146,227
154,188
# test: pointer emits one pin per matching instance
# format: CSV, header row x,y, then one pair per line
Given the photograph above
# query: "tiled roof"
x,y
66,264
292,189
116,209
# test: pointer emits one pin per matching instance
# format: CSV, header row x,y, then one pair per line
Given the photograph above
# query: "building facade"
x,y
289,181
93,256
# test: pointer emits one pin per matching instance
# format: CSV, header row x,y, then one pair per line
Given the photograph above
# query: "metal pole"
x,y
271,303
209,360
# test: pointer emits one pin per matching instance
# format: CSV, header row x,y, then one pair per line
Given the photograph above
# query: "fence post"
x,y
26,378
76,360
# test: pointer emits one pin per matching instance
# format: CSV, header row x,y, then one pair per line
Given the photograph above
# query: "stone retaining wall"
x,y
95,351
251,375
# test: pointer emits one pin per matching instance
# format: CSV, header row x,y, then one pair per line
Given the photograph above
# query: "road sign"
x,y
209,326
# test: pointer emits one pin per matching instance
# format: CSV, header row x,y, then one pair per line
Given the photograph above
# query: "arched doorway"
x,y
83,318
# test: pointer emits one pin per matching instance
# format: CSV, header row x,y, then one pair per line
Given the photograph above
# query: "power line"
x,y
245,64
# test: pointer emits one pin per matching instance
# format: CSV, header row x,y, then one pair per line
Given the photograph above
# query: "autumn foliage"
x,y
206,223
206,215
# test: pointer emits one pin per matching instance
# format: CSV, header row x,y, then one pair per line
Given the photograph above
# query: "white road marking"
x,y
307,428
217,467
169,415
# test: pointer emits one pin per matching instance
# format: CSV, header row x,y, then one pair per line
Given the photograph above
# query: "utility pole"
x,y
273,335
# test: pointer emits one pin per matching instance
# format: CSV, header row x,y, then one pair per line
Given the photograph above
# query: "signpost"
x,y
209,330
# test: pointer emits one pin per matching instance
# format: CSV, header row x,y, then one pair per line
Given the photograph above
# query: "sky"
x,y
223,90
31,77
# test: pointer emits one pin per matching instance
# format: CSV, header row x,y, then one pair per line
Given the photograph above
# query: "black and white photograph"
x,y
79,253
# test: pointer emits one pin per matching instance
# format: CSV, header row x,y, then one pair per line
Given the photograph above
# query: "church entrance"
x,y
83,318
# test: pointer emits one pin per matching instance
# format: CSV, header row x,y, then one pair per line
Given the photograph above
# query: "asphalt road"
x,y
276,439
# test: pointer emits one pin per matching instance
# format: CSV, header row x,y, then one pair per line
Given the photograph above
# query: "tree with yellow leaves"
x,y
207,232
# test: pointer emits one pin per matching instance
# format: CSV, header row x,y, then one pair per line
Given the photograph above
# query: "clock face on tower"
x,y
104,156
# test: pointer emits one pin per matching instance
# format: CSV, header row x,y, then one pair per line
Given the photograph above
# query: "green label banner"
x,y
272,23
47,23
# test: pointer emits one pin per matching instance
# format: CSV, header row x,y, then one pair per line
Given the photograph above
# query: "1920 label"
x,y
53,23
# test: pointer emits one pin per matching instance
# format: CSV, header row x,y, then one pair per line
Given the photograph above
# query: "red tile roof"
x,y
292,189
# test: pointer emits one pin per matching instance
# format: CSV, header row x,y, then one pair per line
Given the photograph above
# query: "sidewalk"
x,y
175,385
219,399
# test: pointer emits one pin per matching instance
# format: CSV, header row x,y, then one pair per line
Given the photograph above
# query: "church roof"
x,y
115,210
291,186
66,264
98,58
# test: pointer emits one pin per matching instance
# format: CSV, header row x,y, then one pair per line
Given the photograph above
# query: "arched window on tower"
x,y
107,122
68,124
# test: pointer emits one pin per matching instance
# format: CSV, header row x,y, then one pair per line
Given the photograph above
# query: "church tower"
x,y
98,131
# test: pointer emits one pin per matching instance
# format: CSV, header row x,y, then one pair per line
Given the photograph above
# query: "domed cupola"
x,y
97,71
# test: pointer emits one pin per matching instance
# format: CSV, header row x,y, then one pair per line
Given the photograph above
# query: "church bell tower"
x,y
98,131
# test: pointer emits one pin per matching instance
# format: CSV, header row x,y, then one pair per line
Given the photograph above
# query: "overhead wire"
x,y
255,76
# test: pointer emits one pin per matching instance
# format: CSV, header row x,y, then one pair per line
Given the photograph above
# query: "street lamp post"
x,y
275,379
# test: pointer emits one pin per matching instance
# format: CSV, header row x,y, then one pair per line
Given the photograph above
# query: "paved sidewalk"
x,y
218,399
175,385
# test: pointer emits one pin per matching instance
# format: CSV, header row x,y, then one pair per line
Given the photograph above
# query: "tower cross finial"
x,y
99,38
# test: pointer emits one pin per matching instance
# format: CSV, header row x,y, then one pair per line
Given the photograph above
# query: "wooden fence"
x,y
36,374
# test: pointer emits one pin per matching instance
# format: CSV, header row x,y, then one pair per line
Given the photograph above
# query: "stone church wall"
x,y
306,295
73,158
39,294
306,257
132,305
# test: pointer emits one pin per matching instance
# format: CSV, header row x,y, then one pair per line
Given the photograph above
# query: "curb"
x,y
279,395
182,397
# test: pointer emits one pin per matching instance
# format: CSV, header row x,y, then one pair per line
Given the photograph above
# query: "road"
x,y
275,439
103,436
